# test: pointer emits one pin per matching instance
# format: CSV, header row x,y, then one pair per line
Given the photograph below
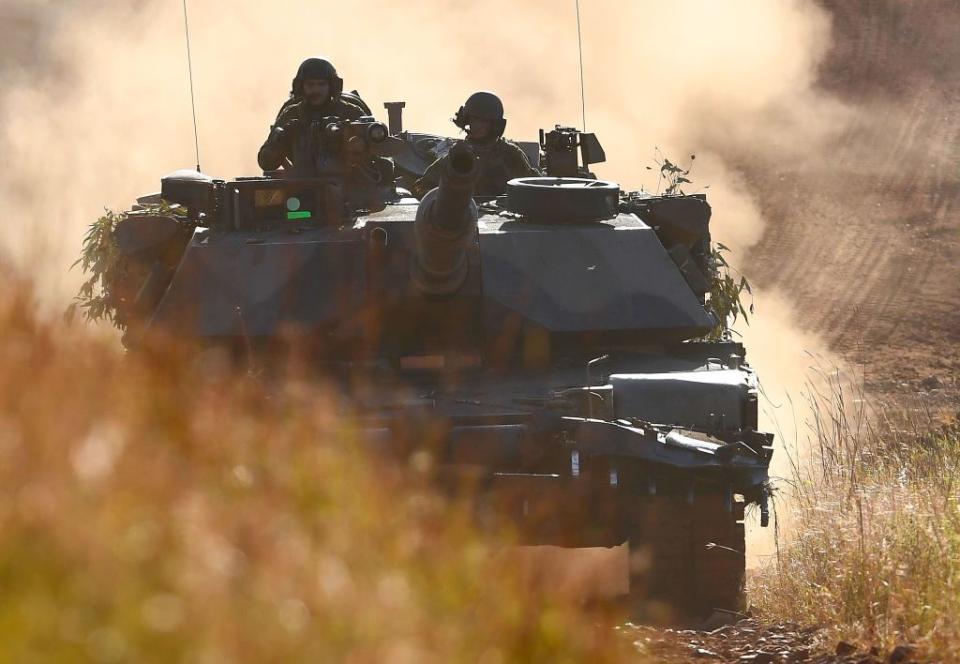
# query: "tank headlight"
x,y
377,132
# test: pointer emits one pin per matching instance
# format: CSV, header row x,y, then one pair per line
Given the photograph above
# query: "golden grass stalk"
x,y
153,510
875,556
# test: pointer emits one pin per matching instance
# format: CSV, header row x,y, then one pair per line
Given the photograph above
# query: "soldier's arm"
x,y
430,179
276,149
272,153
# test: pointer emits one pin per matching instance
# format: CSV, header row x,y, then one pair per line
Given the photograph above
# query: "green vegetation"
x,y
674,175
726,294
105,269
101,264
874,553
727,286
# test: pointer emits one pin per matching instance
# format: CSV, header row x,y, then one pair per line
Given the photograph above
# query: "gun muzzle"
x,y
446,225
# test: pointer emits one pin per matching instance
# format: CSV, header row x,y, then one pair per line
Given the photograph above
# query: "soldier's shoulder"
x,y
349,109
291,109
506,145
514,152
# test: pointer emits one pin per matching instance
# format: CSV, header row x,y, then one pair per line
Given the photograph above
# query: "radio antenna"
x,y
193,103
583,100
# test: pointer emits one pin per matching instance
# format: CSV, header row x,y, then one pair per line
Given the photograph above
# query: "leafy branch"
x,y
675,175
100,259
727,288
101,295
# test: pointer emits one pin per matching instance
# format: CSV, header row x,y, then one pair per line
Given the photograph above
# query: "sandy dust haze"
x,y
96,103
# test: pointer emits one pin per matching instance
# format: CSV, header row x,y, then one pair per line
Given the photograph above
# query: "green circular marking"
x,y
293,203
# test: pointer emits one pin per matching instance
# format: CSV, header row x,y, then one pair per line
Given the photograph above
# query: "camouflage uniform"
x,y
291,143
499,161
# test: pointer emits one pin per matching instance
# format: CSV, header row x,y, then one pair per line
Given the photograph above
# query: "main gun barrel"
x,y
445,226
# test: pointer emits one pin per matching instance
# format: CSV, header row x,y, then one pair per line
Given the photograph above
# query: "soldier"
x,y
499,159
315,95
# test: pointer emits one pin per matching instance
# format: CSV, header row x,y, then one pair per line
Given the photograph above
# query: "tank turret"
x,y
446,225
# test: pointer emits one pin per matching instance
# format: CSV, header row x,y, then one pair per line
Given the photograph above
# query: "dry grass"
x,y
165,511
876,552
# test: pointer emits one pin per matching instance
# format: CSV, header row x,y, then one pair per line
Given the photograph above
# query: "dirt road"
x,y
866,240
872,264
753,642
865,243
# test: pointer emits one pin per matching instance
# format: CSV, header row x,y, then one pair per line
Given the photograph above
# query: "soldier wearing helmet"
x,y
499,160
316,94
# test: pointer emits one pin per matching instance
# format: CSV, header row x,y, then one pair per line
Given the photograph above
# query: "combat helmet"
x,y
317,68
484,105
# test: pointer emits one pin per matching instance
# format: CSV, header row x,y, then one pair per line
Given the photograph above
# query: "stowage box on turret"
x,y
551,337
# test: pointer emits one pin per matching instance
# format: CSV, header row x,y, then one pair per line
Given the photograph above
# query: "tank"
x,y
547,344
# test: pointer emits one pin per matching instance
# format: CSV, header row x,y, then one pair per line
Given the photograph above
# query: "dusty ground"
x,y
753,642
872,263
866,240
866,243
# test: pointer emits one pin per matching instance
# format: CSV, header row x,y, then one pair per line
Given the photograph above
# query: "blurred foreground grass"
x,y
874,555
167,511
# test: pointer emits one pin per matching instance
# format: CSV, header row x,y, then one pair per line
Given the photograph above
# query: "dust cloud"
x,y
95,102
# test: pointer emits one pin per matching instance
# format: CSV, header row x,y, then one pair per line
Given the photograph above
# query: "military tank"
x,y
547,344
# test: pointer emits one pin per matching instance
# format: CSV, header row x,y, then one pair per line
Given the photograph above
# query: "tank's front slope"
x,y
603,276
